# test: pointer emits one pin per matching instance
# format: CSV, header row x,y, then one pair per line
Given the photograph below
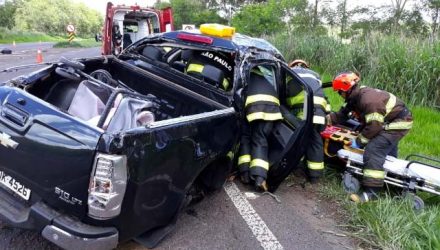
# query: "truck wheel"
x,y
350,183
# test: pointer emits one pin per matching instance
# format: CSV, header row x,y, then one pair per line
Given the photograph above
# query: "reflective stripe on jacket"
x,y
261,101
296,95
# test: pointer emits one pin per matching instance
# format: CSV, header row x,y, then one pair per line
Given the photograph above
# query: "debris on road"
x,y
6,51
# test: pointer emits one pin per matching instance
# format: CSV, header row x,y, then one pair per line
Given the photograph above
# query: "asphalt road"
x,y
26,54
21,47
232,218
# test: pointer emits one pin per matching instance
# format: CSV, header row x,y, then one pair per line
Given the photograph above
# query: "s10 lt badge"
x,y
63,195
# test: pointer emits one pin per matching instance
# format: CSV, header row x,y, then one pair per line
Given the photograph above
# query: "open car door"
x,y
166,20
107,30
288,140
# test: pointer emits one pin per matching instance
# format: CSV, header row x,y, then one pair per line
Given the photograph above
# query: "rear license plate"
x,y
15,186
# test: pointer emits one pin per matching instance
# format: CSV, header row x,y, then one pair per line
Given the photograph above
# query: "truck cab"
x,y
125,25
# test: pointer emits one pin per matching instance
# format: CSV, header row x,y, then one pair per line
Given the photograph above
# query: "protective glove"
x,y
354,144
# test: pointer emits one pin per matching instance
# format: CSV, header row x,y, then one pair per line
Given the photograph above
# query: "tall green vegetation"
x,y
406,66
52,17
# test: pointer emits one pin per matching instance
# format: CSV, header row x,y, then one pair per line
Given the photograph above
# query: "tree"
x,y
57,15
259,19
295,12
7,12
369,22
300,15
433,9
193,12
398,7
414,23
342,10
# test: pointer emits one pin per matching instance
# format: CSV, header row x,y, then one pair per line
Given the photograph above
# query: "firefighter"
x,y
295,101
385,120
117,39
262,109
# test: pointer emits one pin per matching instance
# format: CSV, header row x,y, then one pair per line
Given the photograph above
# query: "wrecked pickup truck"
x,y
102,150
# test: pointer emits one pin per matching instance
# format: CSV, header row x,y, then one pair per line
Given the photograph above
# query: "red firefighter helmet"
x,y
345,81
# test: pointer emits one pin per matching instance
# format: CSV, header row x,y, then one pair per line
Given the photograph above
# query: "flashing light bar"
x,y
195,38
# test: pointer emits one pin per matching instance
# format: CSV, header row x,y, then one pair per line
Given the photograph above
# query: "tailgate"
x,y
45,154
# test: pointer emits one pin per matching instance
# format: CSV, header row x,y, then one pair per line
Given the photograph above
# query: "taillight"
x,y
195,38
107,186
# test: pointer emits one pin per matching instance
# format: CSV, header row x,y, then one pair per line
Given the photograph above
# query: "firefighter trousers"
x,y
253,153
385,143
315,152
260,131
244,153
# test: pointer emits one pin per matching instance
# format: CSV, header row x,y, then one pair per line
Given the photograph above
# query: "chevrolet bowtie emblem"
x,y
6,141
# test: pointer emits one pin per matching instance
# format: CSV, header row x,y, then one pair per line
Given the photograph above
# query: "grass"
x,y
388,223
9,36
78,43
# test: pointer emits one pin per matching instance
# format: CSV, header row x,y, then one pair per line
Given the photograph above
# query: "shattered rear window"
x,y
247,41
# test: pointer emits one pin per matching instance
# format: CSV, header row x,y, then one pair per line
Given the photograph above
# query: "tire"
x,y
418,203
350,184
104,76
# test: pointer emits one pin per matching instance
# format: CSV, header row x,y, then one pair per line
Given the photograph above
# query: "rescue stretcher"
x,y
414,173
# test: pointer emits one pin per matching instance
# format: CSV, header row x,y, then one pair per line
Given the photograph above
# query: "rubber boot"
x,y
314,180
245,178
260,184
369,194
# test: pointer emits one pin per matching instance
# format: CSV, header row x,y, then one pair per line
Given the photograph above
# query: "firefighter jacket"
x,y
377,109
261,102
295,95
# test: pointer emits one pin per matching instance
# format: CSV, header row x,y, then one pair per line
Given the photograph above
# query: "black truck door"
x,y
289,136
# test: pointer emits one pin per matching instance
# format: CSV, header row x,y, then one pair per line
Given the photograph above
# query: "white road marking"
x,y
251,196
254,221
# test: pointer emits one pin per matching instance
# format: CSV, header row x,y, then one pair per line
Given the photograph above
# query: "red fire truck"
x,y
125,25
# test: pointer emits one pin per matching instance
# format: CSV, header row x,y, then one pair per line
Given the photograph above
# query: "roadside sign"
x,y
70,28
70,32
188,27
71,36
